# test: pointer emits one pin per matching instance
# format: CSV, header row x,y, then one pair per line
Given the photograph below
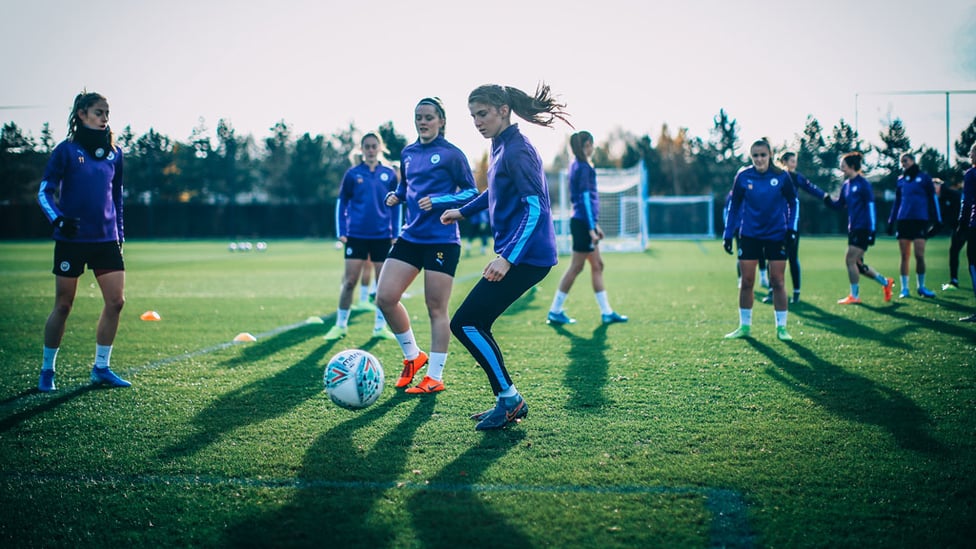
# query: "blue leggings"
x,y
472,322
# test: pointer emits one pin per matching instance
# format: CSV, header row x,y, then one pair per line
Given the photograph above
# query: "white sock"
x,y
745,317
507,393
342,318
380,321
364,292
604,302
558,301
781,318
50,357
103,354
408,344
435,366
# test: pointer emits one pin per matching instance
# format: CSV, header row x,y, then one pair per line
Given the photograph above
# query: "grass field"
x,y
654,433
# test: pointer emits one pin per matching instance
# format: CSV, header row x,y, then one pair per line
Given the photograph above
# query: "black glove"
x,y
727,244
791,237
67,225
827,201
891,229
871,238
934,230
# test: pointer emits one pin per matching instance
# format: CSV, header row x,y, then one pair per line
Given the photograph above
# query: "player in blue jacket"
x,y
517,199
857,196
586,233
81,195
916,210
967,221
762,207
788,161
366,226
434,176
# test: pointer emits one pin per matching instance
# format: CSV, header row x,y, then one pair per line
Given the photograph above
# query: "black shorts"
x,y
911,229
859,238
581,236
753,249
70,258
440,258
374,249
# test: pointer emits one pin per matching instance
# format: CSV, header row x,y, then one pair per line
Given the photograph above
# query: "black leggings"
x,y
472,322
959,237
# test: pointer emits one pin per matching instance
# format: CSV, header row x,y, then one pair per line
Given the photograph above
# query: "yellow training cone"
x,y
314,320
244,336
150,315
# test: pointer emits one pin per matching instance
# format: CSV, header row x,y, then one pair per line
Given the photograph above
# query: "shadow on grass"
x,y
586,374
345,474
914,321
454,514
854,397
258,401
48,403
263,348
854,329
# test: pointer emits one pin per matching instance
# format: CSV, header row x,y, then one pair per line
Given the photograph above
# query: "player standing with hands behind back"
x,y
916,209
517,199
85,173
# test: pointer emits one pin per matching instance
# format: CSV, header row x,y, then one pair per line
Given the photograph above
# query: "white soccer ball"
x,y
353,379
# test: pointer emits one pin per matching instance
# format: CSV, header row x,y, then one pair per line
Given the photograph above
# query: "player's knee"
x,y
863,268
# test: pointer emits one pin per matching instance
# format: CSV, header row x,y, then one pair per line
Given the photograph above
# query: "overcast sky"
x,y
635,65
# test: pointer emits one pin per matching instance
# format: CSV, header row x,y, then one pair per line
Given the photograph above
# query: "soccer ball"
x,y
354,379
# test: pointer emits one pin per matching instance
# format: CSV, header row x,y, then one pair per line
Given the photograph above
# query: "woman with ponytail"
x,y
517,200
81,196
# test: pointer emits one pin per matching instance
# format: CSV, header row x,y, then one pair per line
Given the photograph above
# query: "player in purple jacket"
x,y
916,210
435,176
586,233
762,209
81,195
517,199
788,162
858,197
366,226
967,221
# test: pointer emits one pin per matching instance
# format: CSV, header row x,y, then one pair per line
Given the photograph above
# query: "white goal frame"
x,y
627,213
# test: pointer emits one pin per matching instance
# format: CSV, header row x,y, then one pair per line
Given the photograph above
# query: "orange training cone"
x,y
150,315
244,336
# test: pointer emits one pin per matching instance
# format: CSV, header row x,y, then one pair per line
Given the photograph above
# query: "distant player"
x,y
762,208
858,197
586,233
366,226
81,195
435,176
967,219
916,210
949,204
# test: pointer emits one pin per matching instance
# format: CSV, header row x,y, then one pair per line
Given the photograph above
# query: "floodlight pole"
x,y
947,93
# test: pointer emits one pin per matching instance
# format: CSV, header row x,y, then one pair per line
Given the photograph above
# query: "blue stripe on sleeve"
x,y
535,212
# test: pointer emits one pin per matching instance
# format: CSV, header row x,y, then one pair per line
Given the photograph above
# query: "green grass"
x,y
654,433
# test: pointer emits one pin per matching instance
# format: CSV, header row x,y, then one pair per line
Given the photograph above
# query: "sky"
x,y
619,65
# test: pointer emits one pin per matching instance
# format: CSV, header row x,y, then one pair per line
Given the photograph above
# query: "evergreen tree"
x,y
21,167
894,143
963,144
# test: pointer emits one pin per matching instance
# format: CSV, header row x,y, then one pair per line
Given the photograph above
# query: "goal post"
x,y
629,217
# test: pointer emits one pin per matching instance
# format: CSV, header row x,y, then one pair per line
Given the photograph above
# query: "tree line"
x,y
282,168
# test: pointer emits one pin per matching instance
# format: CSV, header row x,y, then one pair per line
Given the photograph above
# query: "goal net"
x,y
629,218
